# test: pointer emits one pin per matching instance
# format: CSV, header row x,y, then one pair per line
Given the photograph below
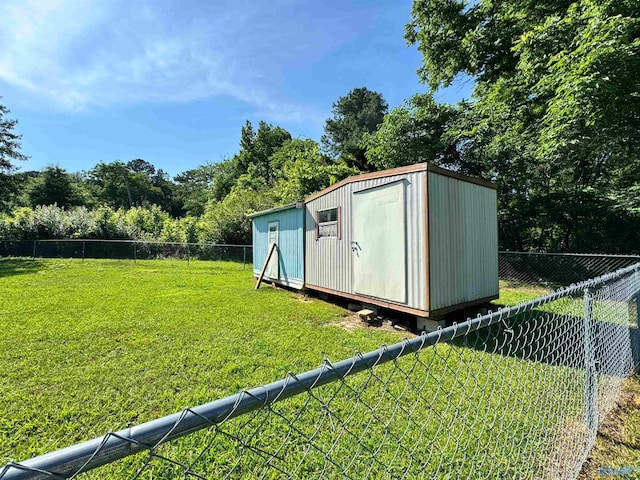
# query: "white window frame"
x,y
275,223
335,222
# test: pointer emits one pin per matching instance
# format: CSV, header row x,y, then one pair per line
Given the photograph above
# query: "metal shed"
x,y
419,239
283,226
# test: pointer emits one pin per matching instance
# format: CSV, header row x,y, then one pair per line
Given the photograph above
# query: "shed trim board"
x,y
316,227
400,308
296,283
366,189
460,176
369,176
275,209
459,306
418,167
371,300
427,277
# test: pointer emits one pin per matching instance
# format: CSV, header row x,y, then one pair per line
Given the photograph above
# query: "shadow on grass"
x,y
558,340
18,266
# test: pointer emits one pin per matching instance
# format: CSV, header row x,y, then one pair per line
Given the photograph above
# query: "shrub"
x,y
50,221
82,223
227,222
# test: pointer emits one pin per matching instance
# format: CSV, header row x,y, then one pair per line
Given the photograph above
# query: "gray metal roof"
x,y
276,209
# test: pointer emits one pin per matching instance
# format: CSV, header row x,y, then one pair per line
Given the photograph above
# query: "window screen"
x,y
330,215
328,223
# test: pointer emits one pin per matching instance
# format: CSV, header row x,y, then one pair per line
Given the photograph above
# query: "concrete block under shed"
x,y
366,315
429,324
369,306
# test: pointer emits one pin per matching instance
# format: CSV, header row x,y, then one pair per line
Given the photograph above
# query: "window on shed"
x,y
328,223
273,232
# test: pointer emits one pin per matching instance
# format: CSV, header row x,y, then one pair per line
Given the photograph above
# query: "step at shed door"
x,y
273,270
379,242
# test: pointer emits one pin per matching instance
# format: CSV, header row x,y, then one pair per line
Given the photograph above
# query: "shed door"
x,y
272,237
379,242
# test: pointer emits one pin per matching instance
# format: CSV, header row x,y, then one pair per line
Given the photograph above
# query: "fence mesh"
x,y
516,269
125,249
552,270
517,393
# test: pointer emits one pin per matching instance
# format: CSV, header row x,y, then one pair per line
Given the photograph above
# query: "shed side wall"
x,y
290,243
463,241
329,260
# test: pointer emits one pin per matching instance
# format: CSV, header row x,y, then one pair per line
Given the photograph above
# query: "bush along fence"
x,y
125,249
518,393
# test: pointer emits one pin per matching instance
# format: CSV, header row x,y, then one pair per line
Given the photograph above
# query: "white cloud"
x,y
75,54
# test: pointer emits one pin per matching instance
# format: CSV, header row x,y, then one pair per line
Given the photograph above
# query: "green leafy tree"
x,y
152,186
225,176
357,113
112,184
257,148
193,187
133,184
413,133
555,116
304,170
139,165
227,222
252,164
10,145
54,186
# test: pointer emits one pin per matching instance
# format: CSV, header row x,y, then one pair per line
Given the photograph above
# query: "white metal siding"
x,y
463,241
328,260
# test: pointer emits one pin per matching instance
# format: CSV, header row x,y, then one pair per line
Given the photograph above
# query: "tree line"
x,y
554,120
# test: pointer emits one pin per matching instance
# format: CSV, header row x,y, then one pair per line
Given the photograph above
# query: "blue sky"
x,y
173,81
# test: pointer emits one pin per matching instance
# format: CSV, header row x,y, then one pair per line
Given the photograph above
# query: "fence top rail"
x,y
597,255
146,242
157,242
147,436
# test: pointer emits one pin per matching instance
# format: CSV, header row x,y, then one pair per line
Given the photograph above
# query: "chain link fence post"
x,y
636,343
34,248
591,387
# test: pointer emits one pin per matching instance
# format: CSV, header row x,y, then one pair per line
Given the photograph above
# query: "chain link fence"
x,y
516,269
553,270
518,393
125,249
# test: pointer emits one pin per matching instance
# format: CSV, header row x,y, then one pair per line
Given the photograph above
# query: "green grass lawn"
x,y
92,346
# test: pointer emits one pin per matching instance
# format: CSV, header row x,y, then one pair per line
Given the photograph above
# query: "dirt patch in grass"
x,y
353,322
617,450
